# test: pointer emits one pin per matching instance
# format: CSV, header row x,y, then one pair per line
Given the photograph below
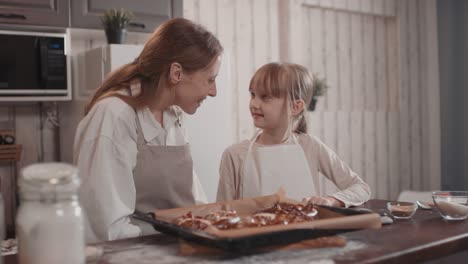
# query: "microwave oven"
x,y
34,64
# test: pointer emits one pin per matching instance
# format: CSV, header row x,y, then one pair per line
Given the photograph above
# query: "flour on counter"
x,y
170,254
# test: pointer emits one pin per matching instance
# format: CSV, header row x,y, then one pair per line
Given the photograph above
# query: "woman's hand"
x,y
329,201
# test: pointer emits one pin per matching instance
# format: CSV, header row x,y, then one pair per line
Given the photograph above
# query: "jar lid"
x,y
49,177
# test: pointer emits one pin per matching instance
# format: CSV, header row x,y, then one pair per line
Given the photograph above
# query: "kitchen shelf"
x,y
10,152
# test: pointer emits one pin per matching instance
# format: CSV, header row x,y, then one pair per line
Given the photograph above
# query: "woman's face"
x,y
195,87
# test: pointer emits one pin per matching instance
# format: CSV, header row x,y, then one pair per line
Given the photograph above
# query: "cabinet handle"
x,y
138,25
13,16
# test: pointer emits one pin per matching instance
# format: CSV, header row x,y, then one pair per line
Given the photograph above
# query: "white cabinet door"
x,y
90,69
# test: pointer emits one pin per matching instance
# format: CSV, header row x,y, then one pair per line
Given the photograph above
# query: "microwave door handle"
x,y
43,63
137,25
13,16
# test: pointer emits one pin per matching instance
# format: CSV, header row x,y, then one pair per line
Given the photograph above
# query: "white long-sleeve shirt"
x,y
105,152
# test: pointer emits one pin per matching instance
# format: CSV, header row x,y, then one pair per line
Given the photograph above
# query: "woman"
x,y
131,148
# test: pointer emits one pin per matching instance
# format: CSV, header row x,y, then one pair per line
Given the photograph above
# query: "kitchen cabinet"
x,y
85,13
35,12
148,13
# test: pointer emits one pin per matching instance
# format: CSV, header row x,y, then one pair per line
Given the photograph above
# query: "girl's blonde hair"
x,y
177,40
286,80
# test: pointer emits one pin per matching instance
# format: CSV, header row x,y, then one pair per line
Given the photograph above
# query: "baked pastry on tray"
x,y
281,213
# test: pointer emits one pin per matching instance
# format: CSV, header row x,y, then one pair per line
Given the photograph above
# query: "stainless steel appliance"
x,y
34,65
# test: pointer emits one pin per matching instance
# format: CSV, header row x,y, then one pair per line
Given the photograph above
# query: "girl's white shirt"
x,y
105,151
321,159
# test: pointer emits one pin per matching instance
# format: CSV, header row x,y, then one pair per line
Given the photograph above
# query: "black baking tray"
x,y
248,243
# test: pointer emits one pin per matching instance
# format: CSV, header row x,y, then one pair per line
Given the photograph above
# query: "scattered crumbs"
x,y
170,254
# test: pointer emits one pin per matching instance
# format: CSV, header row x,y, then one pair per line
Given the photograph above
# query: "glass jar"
x,y
49,224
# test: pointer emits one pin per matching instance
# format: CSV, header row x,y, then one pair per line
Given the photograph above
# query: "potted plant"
x,y
320,87
115,22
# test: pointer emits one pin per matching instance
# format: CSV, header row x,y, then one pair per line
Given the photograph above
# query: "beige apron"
x,y
267,168
163,175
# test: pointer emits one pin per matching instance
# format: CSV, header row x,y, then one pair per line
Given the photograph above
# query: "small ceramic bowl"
x,y
452,205
402,210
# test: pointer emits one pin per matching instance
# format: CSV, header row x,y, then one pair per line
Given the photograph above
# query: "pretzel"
x,y
278,214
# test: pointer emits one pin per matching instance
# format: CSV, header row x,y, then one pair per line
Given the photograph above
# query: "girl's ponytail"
x,y
301,127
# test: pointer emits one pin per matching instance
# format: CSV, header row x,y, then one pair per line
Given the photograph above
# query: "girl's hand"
x,y
329,201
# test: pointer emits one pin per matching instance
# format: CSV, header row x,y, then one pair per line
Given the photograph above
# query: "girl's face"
x,y
193,88
268,112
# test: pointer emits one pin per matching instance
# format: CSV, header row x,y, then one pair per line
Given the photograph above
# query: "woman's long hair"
x,y
177,40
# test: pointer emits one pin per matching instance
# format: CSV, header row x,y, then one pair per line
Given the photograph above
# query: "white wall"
x,y
211,130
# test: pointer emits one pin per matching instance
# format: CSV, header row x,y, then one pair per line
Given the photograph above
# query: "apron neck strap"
x,y
260,131
140,136
253,139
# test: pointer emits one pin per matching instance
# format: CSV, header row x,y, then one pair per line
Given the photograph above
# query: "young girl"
x,y
282,154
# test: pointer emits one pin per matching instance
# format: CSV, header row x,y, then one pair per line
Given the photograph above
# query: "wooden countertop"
x,y
424,237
